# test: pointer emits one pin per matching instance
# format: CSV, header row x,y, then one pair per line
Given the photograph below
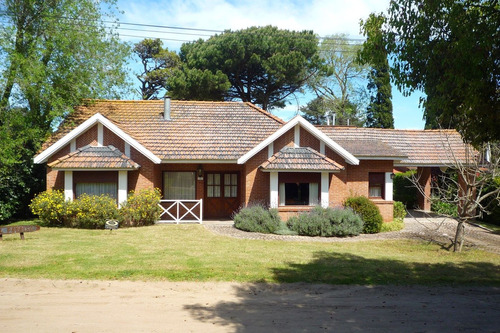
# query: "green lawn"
x,y
192,253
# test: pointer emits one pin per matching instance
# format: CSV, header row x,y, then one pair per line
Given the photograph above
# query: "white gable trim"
x,y
100,119
298,120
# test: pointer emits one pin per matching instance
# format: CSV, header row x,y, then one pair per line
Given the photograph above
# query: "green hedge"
x,y
404,190
399,212
368,211
327,222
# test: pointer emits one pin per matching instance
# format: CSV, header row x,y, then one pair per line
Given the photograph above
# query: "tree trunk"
x,y
459,237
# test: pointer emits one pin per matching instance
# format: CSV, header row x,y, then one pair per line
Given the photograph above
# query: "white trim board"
x,y
298,120
97,118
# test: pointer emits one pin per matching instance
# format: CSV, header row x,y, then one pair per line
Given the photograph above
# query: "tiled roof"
x,y
421,147
92,157
300,158
370,148
197,130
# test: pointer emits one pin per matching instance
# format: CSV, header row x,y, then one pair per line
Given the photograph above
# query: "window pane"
x,y
376,191
216,179
227,179
313,194
234,179
210,191
217,191
109,189
179,185
210,179
296,193
234,191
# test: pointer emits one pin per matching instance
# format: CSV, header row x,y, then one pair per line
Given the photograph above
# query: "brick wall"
x,y
55,179
89,137
308,140
110,138
285,140
256,181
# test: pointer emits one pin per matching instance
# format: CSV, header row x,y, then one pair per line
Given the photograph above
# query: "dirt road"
x,y
122,306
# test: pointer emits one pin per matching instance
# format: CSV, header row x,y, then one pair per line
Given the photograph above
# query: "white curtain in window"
x,y
313,194
281,194
110,189
179,185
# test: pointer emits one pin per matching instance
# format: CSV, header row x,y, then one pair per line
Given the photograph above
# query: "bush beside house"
x,y
368,211
404,190
327,222
92,212
257,218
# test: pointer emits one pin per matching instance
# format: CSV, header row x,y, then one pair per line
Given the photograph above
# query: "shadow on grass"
x,y
296,304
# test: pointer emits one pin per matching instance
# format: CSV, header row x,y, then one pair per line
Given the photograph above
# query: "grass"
x,y
192,253
395,225
495,228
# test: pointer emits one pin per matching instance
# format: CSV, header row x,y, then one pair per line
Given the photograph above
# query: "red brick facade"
x,y
254,184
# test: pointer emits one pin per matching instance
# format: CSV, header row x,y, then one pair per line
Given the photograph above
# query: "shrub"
x,y
399,211
141,208
369,212
257,218
51,207
92,211
404,190
443,207
395,225
326,222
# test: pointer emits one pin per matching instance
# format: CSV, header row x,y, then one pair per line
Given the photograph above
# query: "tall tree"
x,y
158,63
341,79
263,65
54,53
319,112
449,50
379,111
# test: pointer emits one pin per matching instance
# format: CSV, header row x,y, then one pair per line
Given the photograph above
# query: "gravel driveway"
x,y
418,225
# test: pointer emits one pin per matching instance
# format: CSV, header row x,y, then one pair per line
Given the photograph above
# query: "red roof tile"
x,y
92,157
300,158
197,130
421,147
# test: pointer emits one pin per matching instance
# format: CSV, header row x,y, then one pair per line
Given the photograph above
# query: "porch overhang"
x,y
95,158
300,159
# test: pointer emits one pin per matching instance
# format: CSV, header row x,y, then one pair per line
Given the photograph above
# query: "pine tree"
x,y
379,111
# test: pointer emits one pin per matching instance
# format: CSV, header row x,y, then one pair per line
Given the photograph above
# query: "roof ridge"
x,y
390,129
267,113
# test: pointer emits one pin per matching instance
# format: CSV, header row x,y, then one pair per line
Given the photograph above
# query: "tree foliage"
x,y
379,111
54,53
449,50
340,80
158,63
318,111
262,65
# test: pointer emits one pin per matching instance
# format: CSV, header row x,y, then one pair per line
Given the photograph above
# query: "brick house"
x,y
224,155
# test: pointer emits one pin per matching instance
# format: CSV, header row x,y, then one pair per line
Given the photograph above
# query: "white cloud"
x,y
324,17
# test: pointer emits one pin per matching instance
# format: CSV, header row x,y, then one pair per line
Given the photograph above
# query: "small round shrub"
x,y
257,218
326,222
399,212
141,208
368,211
51,207
92,211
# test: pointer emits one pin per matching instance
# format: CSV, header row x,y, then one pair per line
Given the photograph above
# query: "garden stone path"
x,y
418,225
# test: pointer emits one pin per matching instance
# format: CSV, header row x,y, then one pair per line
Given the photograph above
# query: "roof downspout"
x,y
166,108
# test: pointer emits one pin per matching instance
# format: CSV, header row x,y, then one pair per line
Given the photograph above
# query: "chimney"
x,y
333,118
166,107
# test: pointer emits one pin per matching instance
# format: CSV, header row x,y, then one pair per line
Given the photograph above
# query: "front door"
x,y
221,194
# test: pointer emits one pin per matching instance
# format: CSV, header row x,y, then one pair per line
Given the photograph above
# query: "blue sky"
x,y
324,17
